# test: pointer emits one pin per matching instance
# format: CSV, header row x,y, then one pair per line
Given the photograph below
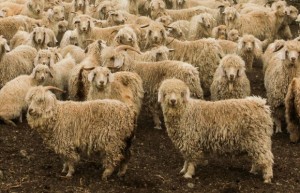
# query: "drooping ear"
x,y
29,4
278,47
221,9
111,77
258,44
240,44
257,48
200,20
186,95
50,13
86,49
6,47
50,73
160,96
33,73
282,54
76,21
214,32
220,71
91,76
118,39
46,38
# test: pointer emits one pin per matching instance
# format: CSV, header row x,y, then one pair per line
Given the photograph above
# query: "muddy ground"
x,y
28,166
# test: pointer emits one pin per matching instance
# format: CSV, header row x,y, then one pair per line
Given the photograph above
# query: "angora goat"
x,y
230,79
292,109
99,126
228,126
12,95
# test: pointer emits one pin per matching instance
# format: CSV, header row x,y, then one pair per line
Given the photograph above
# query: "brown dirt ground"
x,y
28,166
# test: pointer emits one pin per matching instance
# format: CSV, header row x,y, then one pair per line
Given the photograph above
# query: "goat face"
x,y
173,93
42,73
37,6
116,18
58,13
156,34
83,23
100,77
39,35
44,57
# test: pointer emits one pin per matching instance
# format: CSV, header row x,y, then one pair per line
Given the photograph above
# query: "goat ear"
x,y
50,73
111,77
278,47
221,9
50,12
76,20
46,38
34,72
258,44
186,95
282,54
200,20
6,47
214,32
86,49
160,96
240,44
91,76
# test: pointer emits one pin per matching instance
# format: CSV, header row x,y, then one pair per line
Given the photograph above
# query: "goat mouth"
x,y
100,86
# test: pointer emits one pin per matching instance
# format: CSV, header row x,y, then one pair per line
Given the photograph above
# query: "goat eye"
x,y
150,32
112,58
107,74
39,57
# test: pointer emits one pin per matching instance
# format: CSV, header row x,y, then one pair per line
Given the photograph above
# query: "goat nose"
x,y
231,76
208,25
63,18
173,101
38,11
101,82
39,40
293,58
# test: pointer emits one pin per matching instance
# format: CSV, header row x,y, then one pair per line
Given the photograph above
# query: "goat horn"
x,y
124,47
144,26
168,27
88,69
114,32
88,40
54,88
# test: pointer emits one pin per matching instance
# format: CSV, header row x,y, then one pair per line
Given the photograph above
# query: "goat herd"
x,y
83,70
